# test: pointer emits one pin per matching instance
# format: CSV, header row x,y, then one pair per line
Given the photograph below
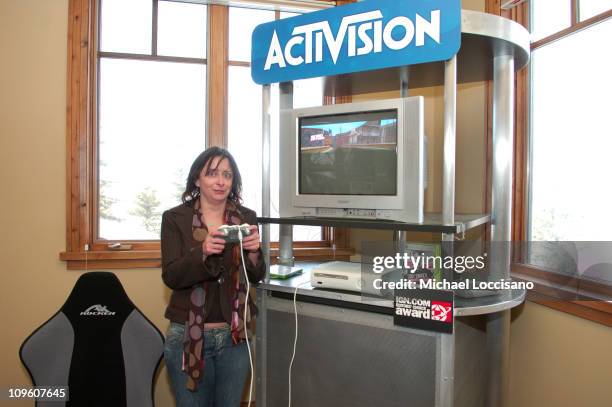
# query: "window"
x,y
569,130
570,136
151,111
563,185
151,84
549,17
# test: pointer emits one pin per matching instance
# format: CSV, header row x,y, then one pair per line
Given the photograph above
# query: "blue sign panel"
x,y
362,36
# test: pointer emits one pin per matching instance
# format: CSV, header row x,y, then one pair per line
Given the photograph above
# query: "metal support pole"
x,y
446,368
286,231
498,324
450,136
498,358
404,76
446,354
265,171
286,245
261,367
262,318
501,177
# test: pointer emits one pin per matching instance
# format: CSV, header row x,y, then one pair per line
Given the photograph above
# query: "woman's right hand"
x,y
214,243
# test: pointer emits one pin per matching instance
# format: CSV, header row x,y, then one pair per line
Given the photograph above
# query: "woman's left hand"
x,y
251,242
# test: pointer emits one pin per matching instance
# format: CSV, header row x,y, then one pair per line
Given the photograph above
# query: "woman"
x,y
205,352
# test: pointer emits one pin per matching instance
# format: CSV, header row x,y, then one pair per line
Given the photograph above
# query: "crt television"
x,y
354,160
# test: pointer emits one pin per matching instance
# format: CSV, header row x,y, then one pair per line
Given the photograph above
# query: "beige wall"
x,y
549,366
558,360
33,38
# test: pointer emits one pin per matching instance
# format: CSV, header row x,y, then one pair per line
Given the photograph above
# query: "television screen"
x,y
348,154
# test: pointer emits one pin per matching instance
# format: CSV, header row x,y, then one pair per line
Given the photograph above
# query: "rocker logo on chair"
x,y
96,310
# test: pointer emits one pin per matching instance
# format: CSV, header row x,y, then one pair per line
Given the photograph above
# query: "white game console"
x,y
338,275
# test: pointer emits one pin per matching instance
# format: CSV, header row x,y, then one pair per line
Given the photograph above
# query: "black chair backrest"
x,y
99,345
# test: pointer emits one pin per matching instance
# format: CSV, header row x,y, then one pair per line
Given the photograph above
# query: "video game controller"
x,y
230,232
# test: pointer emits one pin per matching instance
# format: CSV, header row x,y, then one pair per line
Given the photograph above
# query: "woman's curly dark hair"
x,y
192,192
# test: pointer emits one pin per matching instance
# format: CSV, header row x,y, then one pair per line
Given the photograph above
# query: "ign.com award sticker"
x,y
430,310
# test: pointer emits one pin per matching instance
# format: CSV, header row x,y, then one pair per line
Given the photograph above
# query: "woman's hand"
x,y
251,242
214,243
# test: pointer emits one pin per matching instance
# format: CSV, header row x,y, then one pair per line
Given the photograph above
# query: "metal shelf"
x,y
433,223
504,300
483,37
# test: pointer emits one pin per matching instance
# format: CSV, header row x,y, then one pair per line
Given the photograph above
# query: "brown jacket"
x,y
182,266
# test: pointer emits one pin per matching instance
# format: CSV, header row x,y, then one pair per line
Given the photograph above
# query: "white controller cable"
x,y
296,333
246,306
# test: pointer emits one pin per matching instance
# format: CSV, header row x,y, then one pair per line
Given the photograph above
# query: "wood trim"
x,y
135,259
521,152
111,264
602,306
315,254
218,40
93,174
318,244
71,237
145,57
78,123
554,285
341,237
570,30
112,255
569,294
102,245
493,7
240,63
581,309
520,14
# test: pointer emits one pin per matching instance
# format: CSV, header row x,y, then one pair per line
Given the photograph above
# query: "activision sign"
x,y
362,36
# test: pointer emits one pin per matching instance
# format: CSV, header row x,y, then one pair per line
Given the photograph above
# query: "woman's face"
x,y
215,180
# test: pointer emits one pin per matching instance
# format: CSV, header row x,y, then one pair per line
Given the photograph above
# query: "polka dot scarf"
x,y
193,357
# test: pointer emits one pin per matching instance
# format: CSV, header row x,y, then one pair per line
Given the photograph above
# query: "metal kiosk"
x,y
349,352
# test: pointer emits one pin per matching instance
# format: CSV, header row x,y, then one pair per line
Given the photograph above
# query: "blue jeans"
x,y
225,369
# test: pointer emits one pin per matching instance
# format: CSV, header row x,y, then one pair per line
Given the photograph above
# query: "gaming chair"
x,y
99,345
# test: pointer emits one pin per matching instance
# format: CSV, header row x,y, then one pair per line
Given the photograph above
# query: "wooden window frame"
x,y
83,250
575,296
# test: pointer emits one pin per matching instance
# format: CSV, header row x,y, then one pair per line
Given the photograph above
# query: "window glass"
x,y
242,22
244,132
286,14
151,128
571,137
125,26
590,8
548,17
181,29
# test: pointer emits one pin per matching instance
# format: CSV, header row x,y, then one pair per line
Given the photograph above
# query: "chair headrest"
x,y
97,293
